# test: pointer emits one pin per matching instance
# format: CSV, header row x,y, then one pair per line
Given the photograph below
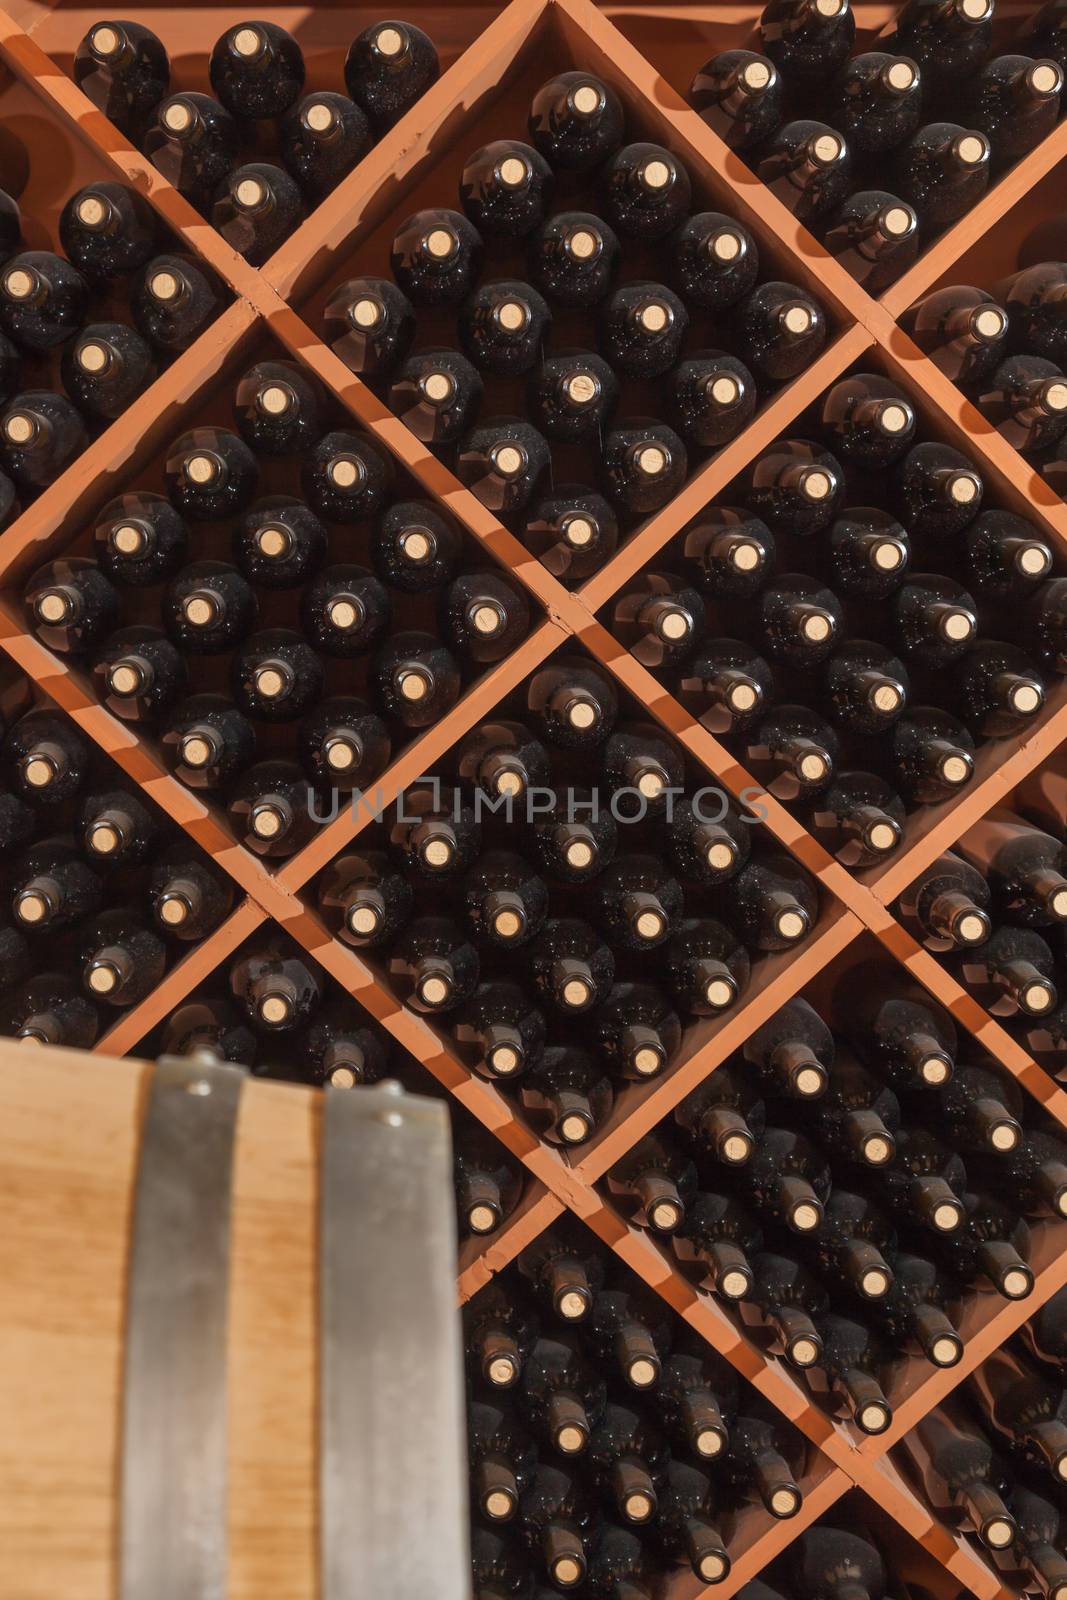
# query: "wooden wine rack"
x,y
562,33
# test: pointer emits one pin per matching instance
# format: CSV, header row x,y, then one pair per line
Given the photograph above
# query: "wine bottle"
x,y
498,1336
497,1567
503,759
877,102
415,679
876,234
858,817
275,675
49,1009
370,324
800,619
765,1458
1004,555
1026,401
432,966
188,897
415,547
791,751
576,838
1045,1334
686,1523
722,1236
139,674
278,409
904,1036
729,551
483,616
72,605
1015,101
209,741
926,1182
773,903
954,1463
947,907
435,257
707,969
488,1183
564,1277
999,690
789,1299
559,1519
1032,1177
853,1360
277,989
943,170
343,743
912,1313
573,258
935,619
575,703
723,1117
173,300
864,687
363,900
107,231
786,1180
114,829
867,419
53,886
501,1455
645,190
388,67
504,901
194,142
257,70
436,835
706,849
500,1030
638,759
837,1561
852,1245
808,165
566,1094
697,1397
503,462
43,300
323,137
345,611
334,1048
572,397
991,1245
121,961
656,1181
808,40
269,808
46,758
576,121
437,395
503,327
711,396
931,755
572,530
644,464
740,95
41,435
569,966
346,477
1025,868
124,70
279,543
627,1461
981,1110
858,1114
780,329
208,608
1039,1539
637,1031
506,189
962,330
948,38
140,540
1033,299
256,209
641,328
795,486
714,260
630,1330
1013,971
210,474
562,1395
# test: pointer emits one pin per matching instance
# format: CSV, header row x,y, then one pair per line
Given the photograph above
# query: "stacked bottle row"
x,y
1006,347
505,383
241,666
83,333
851,622
992,1458
864,1169
567,920
101,894
865,148
222,150
994,910
592,1409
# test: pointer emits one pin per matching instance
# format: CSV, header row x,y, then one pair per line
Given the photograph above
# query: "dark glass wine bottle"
x,y
1004,555
209,741
506,189
483,616
954,1464
792,1051
567,1095
948,905
576,837
53,886
779,331
573,258
867,419
208,608
370,324
43,300
859,817
646,191
999,690
808,166
943,170
723,1117
432,966
41,435
642,327
765,1458
935,619
637,1031
342,743
345,611
931,755
173,300
500,1030
503,899
864,687
257,70
801,620
278,409
572,530
740,95
72,605
707,846
854,1360
139,673
786,1180
124,70
276,988
876,235
435,257
46,759
388,67
791,751
576,121
436,835
276,675
488,1182
795,485
322,139
808,40
877,102
644,464
437,395
269,808
107,231
347,477
574,701
501,1456
140,540
1015,101
210,474
711,396
194,142
256,208
415,679
188,897
279,543
115,829
656,1181
120,960
719,1238
729,551
504,326
962,330
948,38
857,1115
836,1561
49,1009
570,966
706,967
